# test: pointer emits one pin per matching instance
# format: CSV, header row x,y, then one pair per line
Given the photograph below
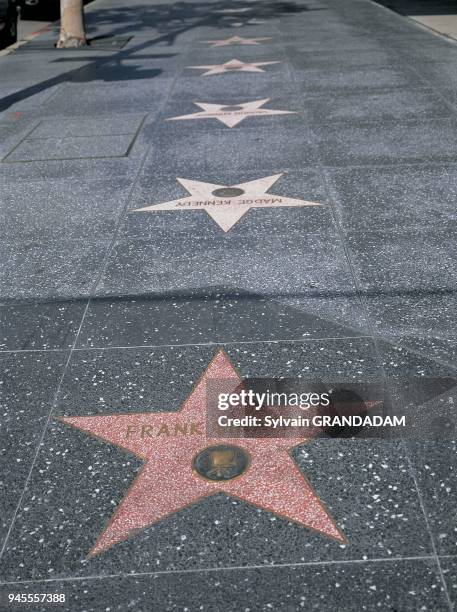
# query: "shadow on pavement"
x,y
169,20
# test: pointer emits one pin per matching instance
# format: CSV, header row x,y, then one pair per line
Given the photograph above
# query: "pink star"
x,y
169,443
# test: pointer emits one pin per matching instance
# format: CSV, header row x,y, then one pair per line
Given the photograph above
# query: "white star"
x,y
231,115
227,204
234,40
233,10
233,65
239,24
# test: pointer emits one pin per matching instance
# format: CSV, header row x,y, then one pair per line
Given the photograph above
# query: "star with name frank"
x,y
182,465
227,204
233,65
235,40
232,114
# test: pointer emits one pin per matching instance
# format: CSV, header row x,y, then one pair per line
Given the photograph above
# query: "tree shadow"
x,y
169,23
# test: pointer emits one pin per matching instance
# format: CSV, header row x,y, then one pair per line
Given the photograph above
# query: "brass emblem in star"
x,y
235,40
233,114
227,204
233,65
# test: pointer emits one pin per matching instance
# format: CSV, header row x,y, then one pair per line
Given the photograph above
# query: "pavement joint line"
x,y
37,450
333,208
413,472
433,86
153,346
77,136
409,164
271,566
51,350
378,353
59,159
393,122
436,359
216,343
313,167
378,335
65,368
34,126
135,137
55,90
53,403
380,363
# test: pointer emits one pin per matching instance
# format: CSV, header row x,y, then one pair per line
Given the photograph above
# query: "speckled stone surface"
x,y
239,150
449,567
218,317
90,209
28,382
434,462
370,485
369,144
107,313
400,585
53,269
31,325
69,148
156,266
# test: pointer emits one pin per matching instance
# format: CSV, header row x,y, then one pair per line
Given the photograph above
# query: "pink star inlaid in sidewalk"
x,y
227,204
235,40
180,462
233,65
232,115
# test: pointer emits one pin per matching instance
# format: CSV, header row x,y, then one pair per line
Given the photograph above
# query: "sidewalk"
x,y
298,213
441,17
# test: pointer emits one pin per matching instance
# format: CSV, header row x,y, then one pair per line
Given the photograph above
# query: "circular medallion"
x,y
221,462
228,192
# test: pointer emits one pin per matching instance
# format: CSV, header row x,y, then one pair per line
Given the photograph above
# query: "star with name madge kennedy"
x,y
235,40
182,466
233,65
227,204
232,114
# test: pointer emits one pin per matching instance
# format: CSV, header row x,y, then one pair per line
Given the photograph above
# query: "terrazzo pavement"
x,y
106,311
